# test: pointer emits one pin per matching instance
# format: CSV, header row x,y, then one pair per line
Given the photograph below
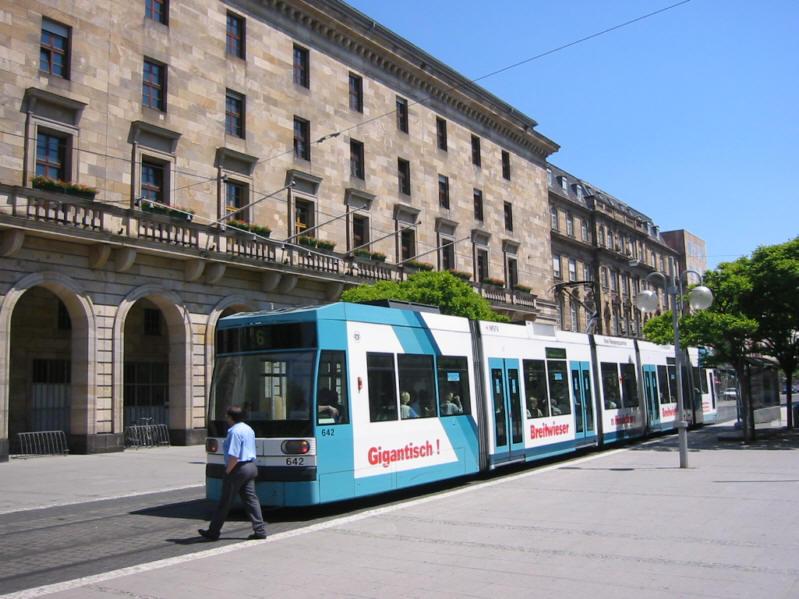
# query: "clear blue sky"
x,y
690,116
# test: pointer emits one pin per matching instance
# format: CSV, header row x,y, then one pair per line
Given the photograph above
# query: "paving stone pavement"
x,y
623,523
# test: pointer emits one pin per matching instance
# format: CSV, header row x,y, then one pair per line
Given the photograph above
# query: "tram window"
x,y
535,387
629,386
331,385
673,383
382,388
558,388
701,374
663,385
610,385
453,386
417,386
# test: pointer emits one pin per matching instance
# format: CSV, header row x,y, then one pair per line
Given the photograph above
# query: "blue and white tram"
x,y
350,400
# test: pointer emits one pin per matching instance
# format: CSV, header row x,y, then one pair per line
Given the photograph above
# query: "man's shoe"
x,y
256,537
206,534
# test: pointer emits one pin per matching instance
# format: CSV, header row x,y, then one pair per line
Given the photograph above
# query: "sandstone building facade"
x,y
133,133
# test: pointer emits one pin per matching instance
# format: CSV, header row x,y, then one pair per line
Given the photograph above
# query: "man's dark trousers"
x,y
241,481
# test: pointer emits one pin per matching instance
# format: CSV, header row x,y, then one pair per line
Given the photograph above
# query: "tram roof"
x,y
335,311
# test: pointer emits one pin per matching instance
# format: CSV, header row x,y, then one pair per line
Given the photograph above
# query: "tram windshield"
x,y
273,389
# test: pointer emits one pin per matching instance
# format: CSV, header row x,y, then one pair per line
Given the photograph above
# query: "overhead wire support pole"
x,y
386,236
591,285
320,225
435,249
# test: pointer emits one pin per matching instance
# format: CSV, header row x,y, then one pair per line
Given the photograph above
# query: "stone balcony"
x,y
117,235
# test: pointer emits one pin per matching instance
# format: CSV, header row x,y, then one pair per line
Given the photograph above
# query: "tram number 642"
x,y
295,461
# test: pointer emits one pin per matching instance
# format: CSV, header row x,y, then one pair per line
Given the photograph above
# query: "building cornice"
x,y
436,84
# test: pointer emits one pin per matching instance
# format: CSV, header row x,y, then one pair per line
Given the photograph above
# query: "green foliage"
x,y
658,329
452,295
774,301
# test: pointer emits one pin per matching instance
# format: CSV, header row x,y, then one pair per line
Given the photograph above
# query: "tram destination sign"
x,y
296,335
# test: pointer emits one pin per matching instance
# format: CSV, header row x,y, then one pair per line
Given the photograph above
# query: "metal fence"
x,y
41,443
147,435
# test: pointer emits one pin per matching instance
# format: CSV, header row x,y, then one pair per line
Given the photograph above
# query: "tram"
x,y
348,400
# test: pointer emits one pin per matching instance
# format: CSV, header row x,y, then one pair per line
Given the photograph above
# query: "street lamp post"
x,y
699,298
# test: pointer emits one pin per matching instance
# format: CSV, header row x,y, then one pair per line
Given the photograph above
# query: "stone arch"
x,y
178,321
83,349
232,301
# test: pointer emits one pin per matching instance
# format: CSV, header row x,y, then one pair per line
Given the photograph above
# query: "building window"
x,y
404,176
154,85
54,49
152,182
357,169
575,318
303,216
569,225
578,190
476,158
505,165
602,236
556,266
603,273
360,231
482,265
51,156
572,269
553,218
513,273
441,133
549,177
402,114
508,216
302,70
356,93
614,283
235,35
478,205
234,114
564,184
235,200
302,138
157,10
447,254
407,244
443,191
583,230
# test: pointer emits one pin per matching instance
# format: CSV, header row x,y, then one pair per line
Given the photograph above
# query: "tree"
x,y
452,295
725,326
774,303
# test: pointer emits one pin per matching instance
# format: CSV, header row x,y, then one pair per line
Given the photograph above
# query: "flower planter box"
x,y
72,189
179,214
247,229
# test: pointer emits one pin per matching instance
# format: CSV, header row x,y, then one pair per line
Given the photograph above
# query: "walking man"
x,y
240,473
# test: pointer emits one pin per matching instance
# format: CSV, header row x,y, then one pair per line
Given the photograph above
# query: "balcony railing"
x,y
95,218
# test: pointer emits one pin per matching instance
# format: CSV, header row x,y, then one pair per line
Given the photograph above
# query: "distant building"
x,y
600,240
691,249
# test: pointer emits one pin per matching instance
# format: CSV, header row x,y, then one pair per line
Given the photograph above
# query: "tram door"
x,y
507,405
651,396
583,403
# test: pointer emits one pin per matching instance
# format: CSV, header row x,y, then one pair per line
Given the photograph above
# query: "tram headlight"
x,y
295,446
212,445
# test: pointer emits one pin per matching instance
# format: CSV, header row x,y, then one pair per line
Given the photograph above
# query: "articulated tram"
x,y
349,400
